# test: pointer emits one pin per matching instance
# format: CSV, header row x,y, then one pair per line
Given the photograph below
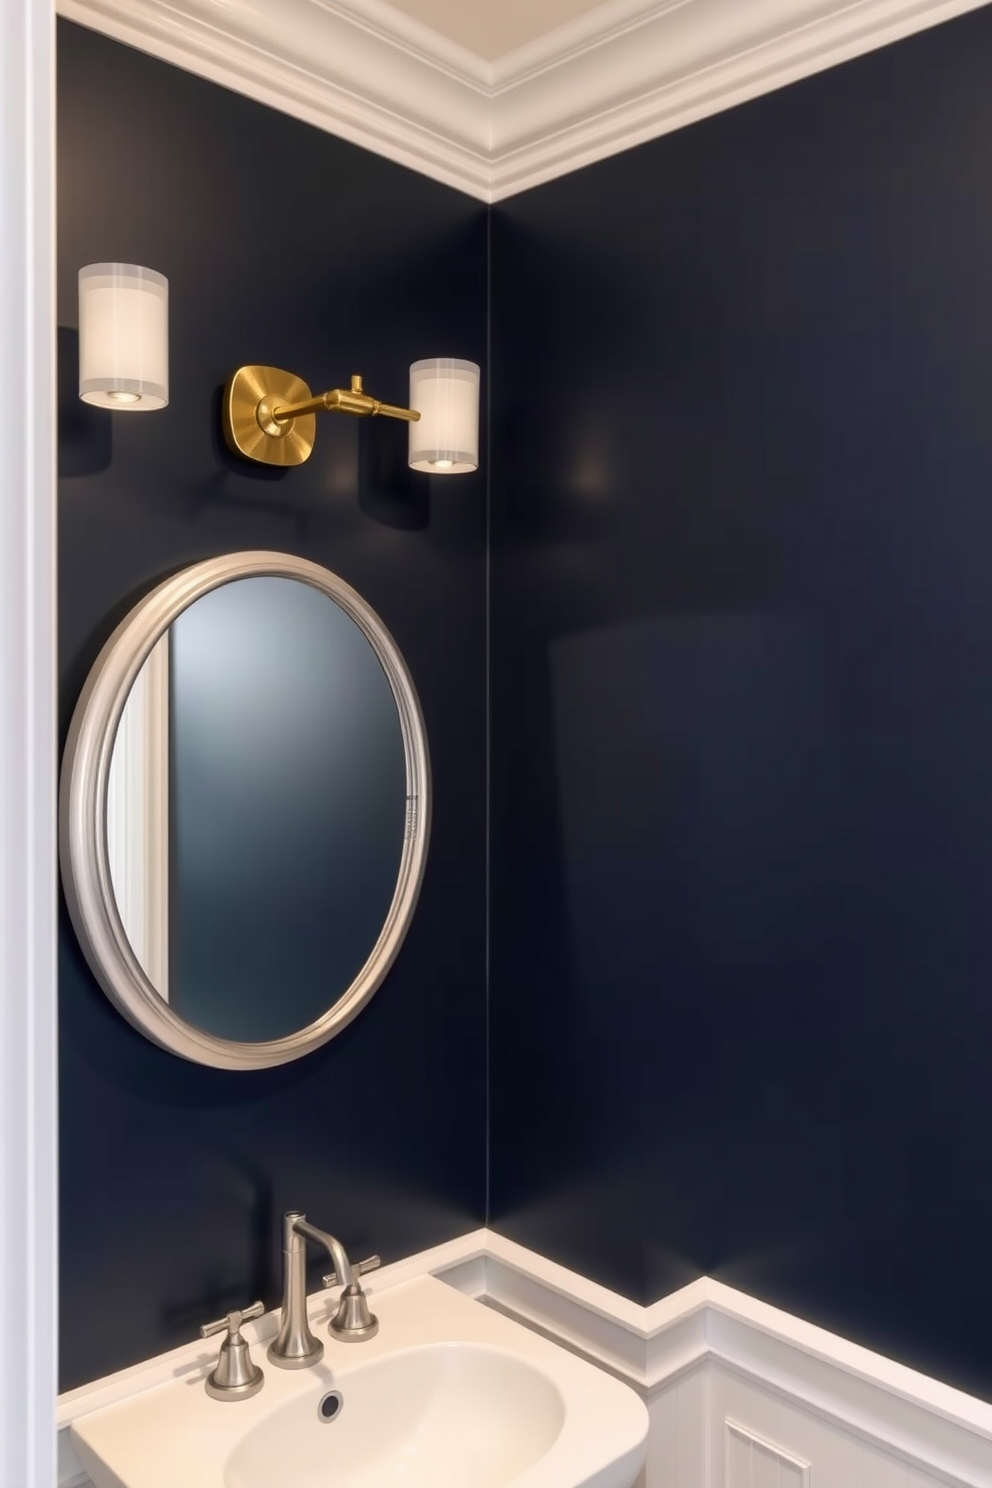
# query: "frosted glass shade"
x,y
445,392
123,337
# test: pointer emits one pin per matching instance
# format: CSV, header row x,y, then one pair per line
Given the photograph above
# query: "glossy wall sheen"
x,y
742,707
281,245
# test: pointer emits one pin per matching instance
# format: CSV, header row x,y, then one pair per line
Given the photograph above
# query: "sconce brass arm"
x,y
355,400
268,414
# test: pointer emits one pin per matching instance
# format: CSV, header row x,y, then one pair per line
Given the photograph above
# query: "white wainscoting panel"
x,y
753,1462
678,1440
926,1424
662,1466
878,1470
780,1427
708,1354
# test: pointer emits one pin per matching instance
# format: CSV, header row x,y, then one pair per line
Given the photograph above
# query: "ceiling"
x,y
491,28
496,96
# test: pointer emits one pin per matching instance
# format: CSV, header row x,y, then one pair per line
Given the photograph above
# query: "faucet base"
x,y
295,1361
355,1335
243,1391
353,1323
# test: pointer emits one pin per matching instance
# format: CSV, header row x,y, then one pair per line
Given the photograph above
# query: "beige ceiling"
x,y
494,27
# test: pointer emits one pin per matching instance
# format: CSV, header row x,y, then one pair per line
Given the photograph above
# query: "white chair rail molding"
x,y
739,1394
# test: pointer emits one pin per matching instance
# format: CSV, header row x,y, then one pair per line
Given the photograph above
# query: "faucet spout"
x,y
334,1249
295,1346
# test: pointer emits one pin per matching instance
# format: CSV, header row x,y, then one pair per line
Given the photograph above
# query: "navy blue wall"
x,y
742,707
287,246
741,681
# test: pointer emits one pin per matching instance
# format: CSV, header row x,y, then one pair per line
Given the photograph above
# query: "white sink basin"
x,y
441,1416
448,1395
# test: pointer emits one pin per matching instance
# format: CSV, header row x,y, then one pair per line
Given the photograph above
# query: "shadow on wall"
x,y
369,464
388,490
85,438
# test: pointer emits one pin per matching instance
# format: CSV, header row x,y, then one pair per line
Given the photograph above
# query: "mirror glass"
x,y
257,808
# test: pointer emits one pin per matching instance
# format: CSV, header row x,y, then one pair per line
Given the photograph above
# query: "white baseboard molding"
x,y
683,1354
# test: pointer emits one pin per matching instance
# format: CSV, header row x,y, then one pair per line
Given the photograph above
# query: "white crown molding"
x,y
601,27
930,1426
322,65
626,72
683,66
395,27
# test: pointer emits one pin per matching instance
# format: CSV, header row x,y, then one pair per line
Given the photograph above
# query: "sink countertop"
x,y
175,1434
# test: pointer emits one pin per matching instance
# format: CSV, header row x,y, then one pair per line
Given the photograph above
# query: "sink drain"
x,y
330,1406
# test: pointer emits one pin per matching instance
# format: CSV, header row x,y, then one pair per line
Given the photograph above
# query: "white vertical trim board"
x,y
27,750
714,1366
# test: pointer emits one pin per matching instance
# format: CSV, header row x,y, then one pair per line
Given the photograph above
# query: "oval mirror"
x,y
244,810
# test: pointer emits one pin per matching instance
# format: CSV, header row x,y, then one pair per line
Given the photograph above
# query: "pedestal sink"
x,y
450,1394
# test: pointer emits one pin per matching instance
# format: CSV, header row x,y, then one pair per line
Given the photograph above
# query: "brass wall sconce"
x,y
269,415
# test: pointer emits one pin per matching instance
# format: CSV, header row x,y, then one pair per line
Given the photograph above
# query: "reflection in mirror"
x,y
257,808
138,817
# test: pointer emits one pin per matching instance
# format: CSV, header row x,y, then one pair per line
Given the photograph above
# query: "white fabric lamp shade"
x,y
123,337
445,439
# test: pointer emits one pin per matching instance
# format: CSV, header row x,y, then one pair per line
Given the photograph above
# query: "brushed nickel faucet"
x,y
295,1347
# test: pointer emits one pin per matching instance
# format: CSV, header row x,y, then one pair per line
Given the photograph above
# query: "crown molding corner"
x,y
625,73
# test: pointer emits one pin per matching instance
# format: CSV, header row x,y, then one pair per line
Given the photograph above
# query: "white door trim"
x,y
28,746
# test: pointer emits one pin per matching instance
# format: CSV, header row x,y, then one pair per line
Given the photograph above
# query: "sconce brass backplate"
x,y
249,428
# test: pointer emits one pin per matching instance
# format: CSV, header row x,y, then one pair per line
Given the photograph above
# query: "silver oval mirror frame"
x,y
83,843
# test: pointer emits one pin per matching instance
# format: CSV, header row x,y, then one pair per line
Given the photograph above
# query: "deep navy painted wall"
x,y
742,707
742,634
281,245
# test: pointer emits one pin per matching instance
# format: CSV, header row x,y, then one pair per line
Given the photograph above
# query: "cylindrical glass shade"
x,y
445,392
123,337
